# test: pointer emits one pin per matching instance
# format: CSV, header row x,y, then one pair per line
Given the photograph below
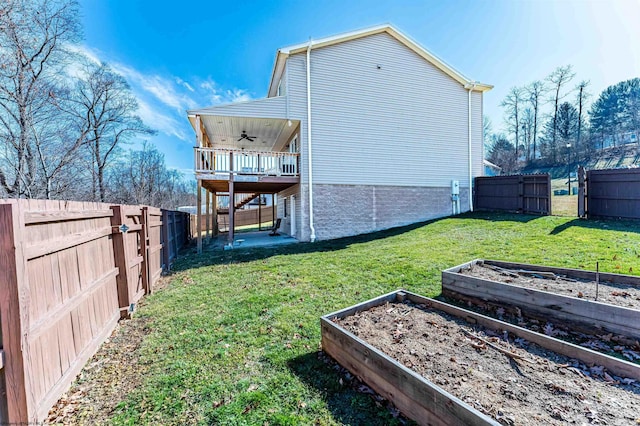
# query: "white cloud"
x,y
240,95
163,89
184,84
162,122
217,95
86,51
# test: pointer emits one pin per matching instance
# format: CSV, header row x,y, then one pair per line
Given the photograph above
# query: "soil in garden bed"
x,y
626,296
511,380
615,345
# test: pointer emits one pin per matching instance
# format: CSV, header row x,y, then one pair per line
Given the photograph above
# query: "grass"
x,y
235,337
564,205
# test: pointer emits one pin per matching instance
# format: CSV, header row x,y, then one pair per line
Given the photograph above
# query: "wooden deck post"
x,y
199,215
216,228
273,209
207,214
259,212
14,302
232,201
232,211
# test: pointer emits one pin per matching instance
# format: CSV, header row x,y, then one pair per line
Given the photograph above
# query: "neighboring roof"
x,y
284,52
490,164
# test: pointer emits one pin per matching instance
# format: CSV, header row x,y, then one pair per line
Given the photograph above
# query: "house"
x,y
359,132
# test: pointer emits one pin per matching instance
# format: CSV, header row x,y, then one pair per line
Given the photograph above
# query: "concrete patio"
x,y
250,240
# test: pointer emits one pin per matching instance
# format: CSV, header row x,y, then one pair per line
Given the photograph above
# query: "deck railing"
x,y
261,163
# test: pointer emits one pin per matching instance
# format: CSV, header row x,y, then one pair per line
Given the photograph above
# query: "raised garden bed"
x,y
552,294
441,364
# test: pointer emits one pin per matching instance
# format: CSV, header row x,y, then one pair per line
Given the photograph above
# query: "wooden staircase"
x,y
239,201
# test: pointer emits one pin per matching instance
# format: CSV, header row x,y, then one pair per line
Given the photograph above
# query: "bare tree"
x,y
513,104
557,80
105,98
527,125
141,177
535,92
487,129
32,38
583,95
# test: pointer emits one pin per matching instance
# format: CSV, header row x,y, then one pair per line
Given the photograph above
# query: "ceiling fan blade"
x,y
251,138
240,139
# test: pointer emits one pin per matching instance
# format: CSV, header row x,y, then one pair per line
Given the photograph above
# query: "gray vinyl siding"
x,y
275,107
403,124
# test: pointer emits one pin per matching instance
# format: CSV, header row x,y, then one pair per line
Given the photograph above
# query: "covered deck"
x,y
240,158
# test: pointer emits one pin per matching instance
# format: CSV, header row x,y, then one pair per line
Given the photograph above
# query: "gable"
x,y
285,52
379,67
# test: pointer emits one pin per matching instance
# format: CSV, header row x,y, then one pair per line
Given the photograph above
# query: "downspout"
x,y
313,229
470,87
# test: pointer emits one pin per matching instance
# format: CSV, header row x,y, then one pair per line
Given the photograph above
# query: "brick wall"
x,y
346,210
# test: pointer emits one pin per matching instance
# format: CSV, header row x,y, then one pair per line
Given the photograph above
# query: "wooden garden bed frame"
x,y
415,396
580,314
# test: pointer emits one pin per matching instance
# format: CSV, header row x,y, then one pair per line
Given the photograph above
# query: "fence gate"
x,y
529,194
613,193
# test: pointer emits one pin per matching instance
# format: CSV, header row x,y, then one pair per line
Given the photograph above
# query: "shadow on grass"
x,y
604,224
190,259
497,216
347,405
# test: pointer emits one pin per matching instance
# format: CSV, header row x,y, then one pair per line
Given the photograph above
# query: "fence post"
x,y
521,194
144,248
166,256
122,261
14,302
176,243
581,193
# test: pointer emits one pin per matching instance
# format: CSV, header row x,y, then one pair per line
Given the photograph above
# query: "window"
x,y
285,207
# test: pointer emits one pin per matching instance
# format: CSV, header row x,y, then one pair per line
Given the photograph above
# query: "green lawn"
x,y
234,338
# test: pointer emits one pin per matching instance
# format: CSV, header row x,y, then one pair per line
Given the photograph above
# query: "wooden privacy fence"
x,y
613,193
242,218
529,194
176,232
68,272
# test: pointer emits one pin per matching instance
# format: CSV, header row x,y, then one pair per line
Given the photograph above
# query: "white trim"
x,y
310,157
213,110
470,87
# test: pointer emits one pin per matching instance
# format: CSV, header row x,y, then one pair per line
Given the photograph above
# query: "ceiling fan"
x,y
244,135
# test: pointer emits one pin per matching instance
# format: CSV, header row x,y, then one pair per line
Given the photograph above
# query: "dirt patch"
x,y
113,372
511,380
626,296
108,377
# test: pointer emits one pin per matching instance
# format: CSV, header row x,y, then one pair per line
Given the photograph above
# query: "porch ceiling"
x,y
265,186
271,134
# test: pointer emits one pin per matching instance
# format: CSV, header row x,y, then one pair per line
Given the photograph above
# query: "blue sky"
x,y
197,53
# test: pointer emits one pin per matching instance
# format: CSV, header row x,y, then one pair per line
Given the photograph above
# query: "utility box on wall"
x,y
455,187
